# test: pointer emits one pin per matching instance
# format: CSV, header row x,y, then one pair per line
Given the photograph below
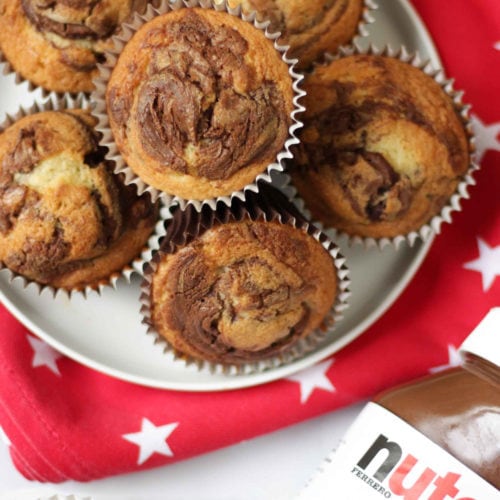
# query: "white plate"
x,y
105,332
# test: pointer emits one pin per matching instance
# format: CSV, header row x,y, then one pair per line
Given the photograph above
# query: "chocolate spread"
x,y
458,411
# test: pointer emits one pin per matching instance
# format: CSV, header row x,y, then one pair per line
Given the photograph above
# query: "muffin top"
x,y
63,39
199,103
310,28
383,147
242,291
60,206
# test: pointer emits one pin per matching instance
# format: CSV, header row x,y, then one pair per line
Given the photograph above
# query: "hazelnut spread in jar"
x,y
437,438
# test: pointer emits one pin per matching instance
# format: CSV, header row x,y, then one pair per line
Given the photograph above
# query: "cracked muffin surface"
x,y
383,147
65,219
241,291
199,103
62,40
310,28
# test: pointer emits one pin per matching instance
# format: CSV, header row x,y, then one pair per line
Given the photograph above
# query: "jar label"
x,y
381,456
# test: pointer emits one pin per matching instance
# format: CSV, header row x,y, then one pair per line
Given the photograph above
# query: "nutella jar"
x,y
434,439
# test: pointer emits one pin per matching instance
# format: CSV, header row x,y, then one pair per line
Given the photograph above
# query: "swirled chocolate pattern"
x,y
61,210
241,291
63,39
199,103
310,28
382,149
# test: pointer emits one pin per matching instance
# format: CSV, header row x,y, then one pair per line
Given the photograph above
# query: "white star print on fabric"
x,y
44,355
151,439
313,378
4,437
488,263
497,45
487,137
454,359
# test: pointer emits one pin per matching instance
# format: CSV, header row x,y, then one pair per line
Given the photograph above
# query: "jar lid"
x,y
480,351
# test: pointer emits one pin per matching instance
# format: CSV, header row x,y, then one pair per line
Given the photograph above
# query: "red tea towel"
x,y
66,421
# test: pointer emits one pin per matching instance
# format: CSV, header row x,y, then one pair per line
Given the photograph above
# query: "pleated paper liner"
x,y
100,111
135,266
433,226
190,224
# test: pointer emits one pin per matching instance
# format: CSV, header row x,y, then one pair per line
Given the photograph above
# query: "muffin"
x,y
383,146
309,28
57,44
233,288
65,220
199,103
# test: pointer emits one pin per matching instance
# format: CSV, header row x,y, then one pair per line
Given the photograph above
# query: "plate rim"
x,y
232,382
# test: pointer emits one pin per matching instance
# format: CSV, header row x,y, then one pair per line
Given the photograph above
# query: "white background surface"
x,y
275,466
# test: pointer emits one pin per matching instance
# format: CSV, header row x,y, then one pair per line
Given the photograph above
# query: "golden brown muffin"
x,y
199,103
65,220
56,44
240,291
383,147
311,28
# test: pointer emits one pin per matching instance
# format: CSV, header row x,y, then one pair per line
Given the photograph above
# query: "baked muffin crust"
x,y
65,220
199,103
62,40
242,291
383,147
311,28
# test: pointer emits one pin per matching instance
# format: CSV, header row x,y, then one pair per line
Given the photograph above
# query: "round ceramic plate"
x,y
105,332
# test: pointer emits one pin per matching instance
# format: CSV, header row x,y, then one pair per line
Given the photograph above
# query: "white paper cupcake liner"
x,y
56,102
105,70
266,212
433,227
8,69
367,18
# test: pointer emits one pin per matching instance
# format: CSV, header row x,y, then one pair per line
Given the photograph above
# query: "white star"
x,y
4,437
496,45
488,263
312,378
454,359
486,137
151,439
44,355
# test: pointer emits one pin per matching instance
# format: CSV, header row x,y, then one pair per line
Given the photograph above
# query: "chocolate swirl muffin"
x,y
239,291
57,44
310,28
199,103
383,147
65,220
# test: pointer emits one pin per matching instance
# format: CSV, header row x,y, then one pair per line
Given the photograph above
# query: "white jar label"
x,y
381,456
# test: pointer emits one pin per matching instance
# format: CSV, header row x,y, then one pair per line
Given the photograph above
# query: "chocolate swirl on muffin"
x,y
239,291
383,148
63,39
63,214
199,103
310,28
